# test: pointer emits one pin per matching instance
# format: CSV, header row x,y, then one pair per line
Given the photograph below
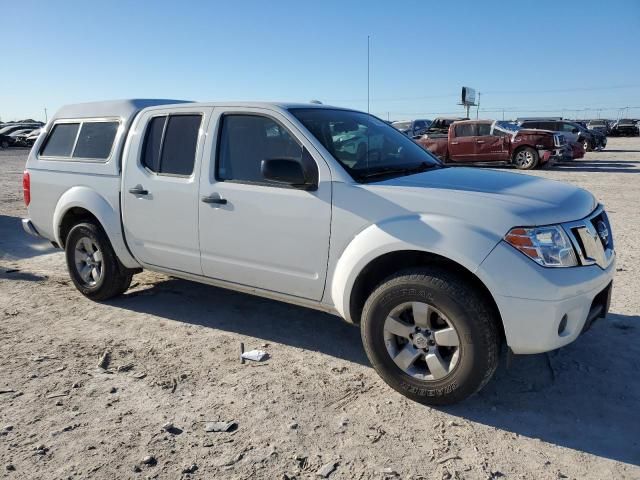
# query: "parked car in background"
x,y
601,126
472,141
572,131
412,128
438,266
5,141
625,127
10,128
30,138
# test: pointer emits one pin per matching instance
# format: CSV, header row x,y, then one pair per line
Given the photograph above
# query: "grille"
x,y
592,239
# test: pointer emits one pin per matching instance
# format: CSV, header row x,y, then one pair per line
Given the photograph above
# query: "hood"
x,y
489,197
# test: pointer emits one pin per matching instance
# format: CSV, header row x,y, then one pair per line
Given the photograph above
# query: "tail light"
x,y
26,187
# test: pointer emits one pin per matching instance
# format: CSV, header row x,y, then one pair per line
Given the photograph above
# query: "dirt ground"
x,y
573,413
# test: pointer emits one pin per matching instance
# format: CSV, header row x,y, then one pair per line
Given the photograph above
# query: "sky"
x,y
576,59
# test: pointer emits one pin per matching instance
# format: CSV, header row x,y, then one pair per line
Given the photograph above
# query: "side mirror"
x,y
575,130
287,171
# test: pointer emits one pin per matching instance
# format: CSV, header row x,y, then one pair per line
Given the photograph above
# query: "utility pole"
x,y
478,106
46,118
368,70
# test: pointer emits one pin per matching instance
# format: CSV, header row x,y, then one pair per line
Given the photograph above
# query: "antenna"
x,y
368,70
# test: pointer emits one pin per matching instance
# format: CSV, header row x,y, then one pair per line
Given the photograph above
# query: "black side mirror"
x,y
575,130
287,171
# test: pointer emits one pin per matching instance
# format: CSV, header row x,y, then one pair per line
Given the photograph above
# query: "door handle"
x,y
454,143
480,141
214,199
138,190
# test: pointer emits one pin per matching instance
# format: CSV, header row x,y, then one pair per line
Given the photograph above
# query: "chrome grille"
x,y
592,238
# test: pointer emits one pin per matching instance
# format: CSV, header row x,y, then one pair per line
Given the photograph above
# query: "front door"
x,y
491,146
255,232
160,187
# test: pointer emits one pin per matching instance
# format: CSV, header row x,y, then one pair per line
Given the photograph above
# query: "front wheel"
x,y
93,266
526,159
587,146
431,336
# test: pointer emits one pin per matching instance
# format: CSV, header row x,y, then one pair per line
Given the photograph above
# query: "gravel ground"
x,y
315,405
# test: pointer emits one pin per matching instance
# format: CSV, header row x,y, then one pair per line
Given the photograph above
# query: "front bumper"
x,y
535,301
552,156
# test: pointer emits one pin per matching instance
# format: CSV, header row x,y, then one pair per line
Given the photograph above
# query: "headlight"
x,y
548,246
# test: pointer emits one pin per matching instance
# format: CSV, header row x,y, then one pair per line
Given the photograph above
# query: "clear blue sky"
x,y
526,57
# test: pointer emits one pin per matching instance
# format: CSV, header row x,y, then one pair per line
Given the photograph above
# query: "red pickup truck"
x,y
472,141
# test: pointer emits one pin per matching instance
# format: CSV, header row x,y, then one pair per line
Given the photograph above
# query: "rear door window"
x,y
61,140
170,144
179,144
484,129
95,140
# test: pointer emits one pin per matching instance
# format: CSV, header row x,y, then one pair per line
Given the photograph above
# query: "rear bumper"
x,y
545,308
28,227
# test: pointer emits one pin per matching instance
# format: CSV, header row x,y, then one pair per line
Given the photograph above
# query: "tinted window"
x,y
465,130
567,127
549,126
367,147
152,143
61,140
95,139
246,140
483,129
179,144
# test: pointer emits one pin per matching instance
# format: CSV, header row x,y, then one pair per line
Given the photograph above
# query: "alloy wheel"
x,y
524,158
88,261
421,341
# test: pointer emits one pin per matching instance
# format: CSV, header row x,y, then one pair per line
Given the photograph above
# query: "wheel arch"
x,y
82,203
384,249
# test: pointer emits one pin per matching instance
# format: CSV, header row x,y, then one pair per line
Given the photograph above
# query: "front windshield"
x,y
365,145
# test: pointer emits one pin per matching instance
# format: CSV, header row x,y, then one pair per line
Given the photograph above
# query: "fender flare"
x,y
449,237
107,215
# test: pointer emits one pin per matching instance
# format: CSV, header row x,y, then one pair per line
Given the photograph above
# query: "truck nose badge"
x,y
420,341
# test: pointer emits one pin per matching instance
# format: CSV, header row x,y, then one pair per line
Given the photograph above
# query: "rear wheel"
x,y
431,336
4,144
586,145
93,266
526,158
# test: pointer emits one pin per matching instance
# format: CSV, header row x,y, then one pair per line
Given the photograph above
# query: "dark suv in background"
x,y
574,132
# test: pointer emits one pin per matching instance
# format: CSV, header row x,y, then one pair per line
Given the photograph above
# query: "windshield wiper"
x,y
422,167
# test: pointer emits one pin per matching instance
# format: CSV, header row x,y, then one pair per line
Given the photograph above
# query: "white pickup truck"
x,y
440,266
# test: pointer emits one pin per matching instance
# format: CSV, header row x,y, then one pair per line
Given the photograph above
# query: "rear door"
x,y
160,187
491,146
462,147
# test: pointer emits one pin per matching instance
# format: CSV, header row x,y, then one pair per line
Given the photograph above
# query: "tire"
x,y
4,144
586,145
93,266
525,158
462,308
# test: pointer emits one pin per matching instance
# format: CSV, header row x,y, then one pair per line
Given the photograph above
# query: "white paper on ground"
x,y
255,355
